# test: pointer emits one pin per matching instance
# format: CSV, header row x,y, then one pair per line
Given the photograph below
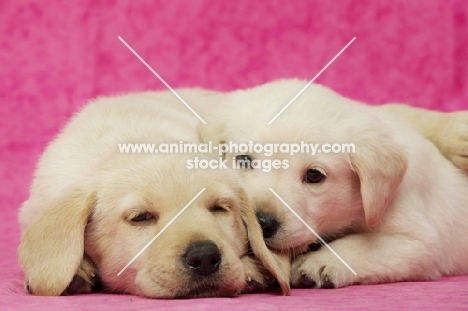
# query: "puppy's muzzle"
x,y
269,224
203,258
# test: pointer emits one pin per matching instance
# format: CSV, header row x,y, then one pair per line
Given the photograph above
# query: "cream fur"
x,y
77,220
401,205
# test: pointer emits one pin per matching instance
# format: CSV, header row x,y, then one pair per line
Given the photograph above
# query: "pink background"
x,y
55,56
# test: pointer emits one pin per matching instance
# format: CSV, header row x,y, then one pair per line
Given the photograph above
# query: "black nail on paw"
x,y
28,288
253,287
328,285
306,281
75,285
97,284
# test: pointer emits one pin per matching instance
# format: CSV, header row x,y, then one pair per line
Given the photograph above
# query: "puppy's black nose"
x,y
203,257
269,224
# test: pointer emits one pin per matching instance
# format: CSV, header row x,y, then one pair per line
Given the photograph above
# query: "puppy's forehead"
x,y
132,200
315,110
221,193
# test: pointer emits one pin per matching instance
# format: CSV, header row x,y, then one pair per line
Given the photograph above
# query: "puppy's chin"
x,y
282,245
227,282
193,289
291,239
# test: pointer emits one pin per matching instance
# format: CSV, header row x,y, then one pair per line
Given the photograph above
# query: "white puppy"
x,y
92,209
398,205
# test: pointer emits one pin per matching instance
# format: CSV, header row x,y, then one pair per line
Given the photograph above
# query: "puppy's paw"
x,y
82,283
257,277
452,138
320,269
85,278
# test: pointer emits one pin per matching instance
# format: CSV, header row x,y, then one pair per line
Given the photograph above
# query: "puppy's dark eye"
x,y
314,176
218,209
142,216
244,161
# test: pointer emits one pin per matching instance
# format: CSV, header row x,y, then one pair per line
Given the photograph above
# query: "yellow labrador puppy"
x,y
92,209
398,205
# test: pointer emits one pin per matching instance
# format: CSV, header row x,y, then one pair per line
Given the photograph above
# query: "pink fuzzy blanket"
x,y
56,55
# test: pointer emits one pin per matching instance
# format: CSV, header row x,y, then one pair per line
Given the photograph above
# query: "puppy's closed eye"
x,y
221,205
217,208
139,218
314,176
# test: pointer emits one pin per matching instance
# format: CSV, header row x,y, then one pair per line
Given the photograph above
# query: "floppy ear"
x,y
380,164
276,263
52,248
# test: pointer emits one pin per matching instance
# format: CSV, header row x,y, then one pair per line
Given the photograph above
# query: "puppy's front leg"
x,y
257,277
375,257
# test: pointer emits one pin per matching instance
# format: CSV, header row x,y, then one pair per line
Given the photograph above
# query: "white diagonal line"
x,y
162,80
312,230
311,81
160,232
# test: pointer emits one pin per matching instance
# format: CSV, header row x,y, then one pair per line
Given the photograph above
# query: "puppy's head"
x,y
333,193
132,205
